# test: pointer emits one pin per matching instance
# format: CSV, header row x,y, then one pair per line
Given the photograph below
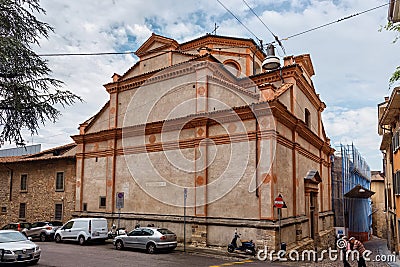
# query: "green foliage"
x,y
28,95
395,76
393,27
396,28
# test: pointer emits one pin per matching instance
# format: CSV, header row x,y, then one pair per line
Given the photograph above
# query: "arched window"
x,y
233,67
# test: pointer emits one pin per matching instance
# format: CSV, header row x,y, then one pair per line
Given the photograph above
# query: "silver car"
x,y
148,238
42,230
17,248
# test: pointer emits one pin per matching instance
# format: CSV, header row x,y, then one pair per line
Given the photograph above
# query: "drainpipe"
x,y
257,159
11,183
395,234
11,179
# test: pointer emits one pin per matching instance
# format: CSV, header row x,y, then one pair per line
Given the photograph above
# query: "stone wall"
x,y
41,195
4,193
379,224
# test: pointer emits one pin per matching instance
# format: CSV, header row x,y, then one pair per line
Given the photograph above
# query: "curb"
x,y
212,251
206,251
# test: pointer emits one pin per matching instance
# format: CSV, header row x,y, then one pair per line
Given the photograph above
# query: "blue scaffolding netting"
x,y
355,171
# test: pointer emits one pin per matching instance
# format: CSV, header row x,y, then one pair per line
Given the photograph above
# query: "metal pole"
x,y
119,216
184,218
280,237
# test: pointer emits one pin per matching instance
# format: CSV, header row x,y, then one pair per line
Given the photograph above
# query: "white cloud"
x,y
352,59
357,126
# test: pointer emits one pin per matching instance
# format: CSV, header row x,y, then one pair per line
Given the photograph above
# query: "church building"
x,y
199,132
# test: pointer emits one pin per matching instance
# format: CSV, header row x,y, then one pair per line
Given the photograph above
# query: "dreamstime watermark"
x,y
341,252
180,131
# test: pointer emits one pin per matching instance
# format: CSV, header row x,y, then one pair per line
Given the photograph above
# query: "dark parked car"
x,y
16,226
43,230
148,238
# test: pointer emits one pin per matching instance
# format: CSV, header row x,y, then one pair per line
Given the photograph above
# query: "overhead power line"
x,y
244,1
238,20
333,22
265,25
86,54
276,37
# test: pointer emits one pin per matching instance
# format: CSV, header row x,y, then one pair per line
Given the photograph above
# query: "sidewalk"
x,y
378,247
217,251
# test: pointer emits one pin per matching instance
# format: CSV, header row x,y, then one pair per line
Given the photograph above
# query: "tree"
x,y
28,95
394,27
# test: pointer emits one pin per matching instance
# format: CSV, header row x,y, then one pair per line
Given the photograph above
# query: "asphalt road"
x,y
73,255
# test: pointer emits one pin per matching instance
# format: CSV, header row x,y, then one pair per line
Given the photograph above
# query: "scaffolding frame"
x,y
351,169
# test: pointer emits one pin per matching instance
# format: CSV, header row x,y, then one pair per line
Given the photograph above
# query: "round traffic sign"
x,y
279,203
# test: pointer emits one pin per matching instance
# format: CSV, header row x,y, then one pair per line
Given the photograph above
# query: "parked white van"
x,y
83,230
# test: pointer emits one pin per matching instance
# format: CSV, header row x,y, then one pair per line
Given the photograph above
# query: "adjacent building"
x,y
351,194
388,128
198,131
394,11
379,225
39,186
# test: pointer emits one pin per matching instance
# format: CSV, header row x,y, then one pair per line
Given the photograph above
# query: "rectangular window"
x,y
396,183
102,203
3,209
307,118
60,181
84,206
395,142
58,212
24,180
22,210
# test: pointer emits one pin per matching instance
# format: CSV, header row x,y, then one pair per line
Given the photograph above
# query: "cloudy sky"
x,y
352,59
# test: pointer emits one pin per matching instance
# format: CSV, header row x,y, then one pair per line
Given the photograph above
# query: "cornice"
x,y
243,113
162,74
234,87
221,40
285,117
292,71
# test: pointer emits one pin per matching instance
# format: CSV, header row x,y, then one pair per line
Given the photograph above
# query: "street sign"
x,y
120,200
279,203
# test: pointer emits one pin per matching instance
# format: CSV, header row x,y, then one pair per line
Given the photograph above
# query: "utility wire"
x,y
238,20
252,10
284,39
265,25
333,22
86,54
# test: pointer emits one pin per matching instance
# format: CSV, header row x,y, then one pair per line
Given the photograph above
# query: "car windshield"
x,y
12,237
165,231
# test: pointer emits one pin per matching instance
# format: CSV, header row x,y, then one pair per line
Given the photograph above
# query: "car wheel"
x,y
151,248
43,237
57,238
119,245
81,240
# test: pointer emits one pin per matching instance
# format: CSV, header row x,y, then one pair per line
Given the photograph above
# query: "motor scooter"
x,y
247,247
116,231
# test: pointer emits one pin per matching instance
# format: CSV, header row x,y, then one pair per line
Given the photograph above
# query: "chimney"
x,y
115,77
287,61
